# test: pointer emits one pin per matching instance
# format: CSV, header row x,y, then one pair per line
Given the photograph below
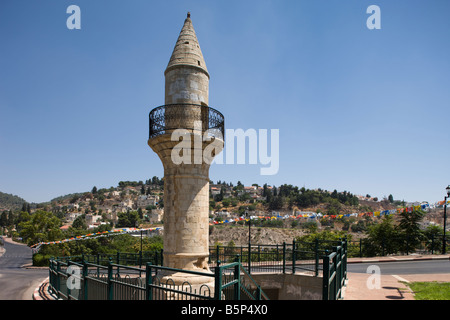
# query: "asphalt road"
x,y
16,282
407,267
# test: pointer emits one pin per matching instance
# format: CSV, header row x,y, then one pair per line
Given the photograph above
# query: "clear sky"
x,y
361,110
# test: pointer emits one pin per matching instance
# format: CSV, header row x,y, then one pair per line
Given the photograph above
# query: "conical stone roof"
x,y
187,50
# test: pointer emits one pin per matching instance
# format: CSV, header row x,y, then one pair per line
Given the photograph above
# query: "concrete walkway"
x,y
363,286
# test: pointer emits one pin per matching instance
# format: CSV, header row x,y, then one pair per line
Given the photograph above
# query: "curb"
x,y
41,292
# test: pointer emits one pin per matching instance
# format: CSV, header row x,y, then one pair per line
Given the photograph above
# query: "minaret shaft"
x,y
186,185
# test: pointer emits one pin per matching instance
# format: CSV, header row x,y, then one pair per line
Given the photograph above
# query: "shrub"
x,y
40,260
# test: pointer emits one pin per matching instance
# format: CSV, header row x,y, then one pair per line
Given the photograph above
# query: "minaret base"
x,y
185,286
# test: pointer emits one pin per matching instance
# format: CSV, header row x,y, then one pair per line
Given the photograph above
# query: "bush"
x,y
311,226
40,260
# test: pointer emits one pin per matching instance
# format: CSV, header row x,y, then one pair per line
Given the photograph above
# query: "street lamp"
x,y
247,213
444,241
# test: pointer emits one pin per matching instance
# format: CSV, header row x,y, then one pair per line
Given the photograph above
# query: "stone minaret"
x,y
186,184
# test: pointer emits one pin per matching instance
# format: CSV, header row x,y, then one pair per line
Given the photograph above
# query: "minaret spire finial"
x,y
187,49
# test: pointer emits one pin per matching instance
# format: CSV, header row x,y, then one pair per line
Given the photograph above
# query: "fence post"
x,y
218,282
294,256
407,244
326,277
50,276
85,283
249,258
148,281
316,249
217,253
340,273
58,279
237,276
284,257
258,292
432,243
98,263
110,288
345,257
67,281
360,247
336,272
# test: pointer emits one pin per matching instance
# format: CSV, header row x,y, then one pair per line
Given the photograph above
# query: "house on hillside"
x,y
144,201
71,216
156,215
92,219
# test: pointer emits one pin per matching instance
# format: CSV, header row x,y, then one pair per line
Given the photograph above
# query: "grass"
x,y
430,290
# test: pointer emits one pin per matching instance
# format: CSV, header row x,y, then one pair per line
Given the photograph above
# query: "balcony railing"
x,y
167,118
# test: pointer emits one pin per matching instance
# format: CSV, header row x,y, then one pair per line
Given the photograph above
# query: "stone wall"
x,y
290,286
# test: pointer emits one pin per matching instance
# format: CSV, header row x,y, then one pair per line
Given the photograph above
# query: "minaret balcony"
x,y
168,118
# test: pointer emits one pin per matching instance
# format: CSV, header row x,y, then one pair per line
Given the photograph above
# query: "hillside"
x,y
143,202
10,202
355,228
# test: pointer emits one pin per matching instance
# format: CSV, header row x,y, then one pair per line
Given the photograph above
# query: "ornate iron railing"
x,y
171,117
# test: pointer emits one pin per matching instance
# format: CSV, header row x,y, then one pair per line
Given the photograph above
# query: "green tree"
x,y
409,229
333,207
42,226
265,190
382,238
4,219
80,222
128,219
276,203
226,202
23,216
391,198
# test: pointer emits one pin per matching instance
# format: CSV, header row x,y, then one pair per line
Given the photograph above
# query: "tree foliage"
x,y
42,226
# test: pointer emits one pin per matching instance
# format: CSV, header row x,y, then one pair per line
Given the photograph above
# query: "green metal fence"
x,y
123,258
398,245
304,257
118,282
140,276
334,272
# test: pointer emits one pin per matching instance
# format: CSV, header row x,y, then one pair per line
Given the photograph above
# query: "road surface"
x,y
16,282
406,267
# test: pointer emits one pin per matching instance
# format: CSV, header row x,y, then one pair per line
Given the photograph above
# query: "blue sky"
x,y
361,110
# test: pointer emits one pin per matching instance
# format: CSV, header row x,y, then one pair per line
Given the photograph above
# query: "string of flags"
x,y
95,235
313,215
